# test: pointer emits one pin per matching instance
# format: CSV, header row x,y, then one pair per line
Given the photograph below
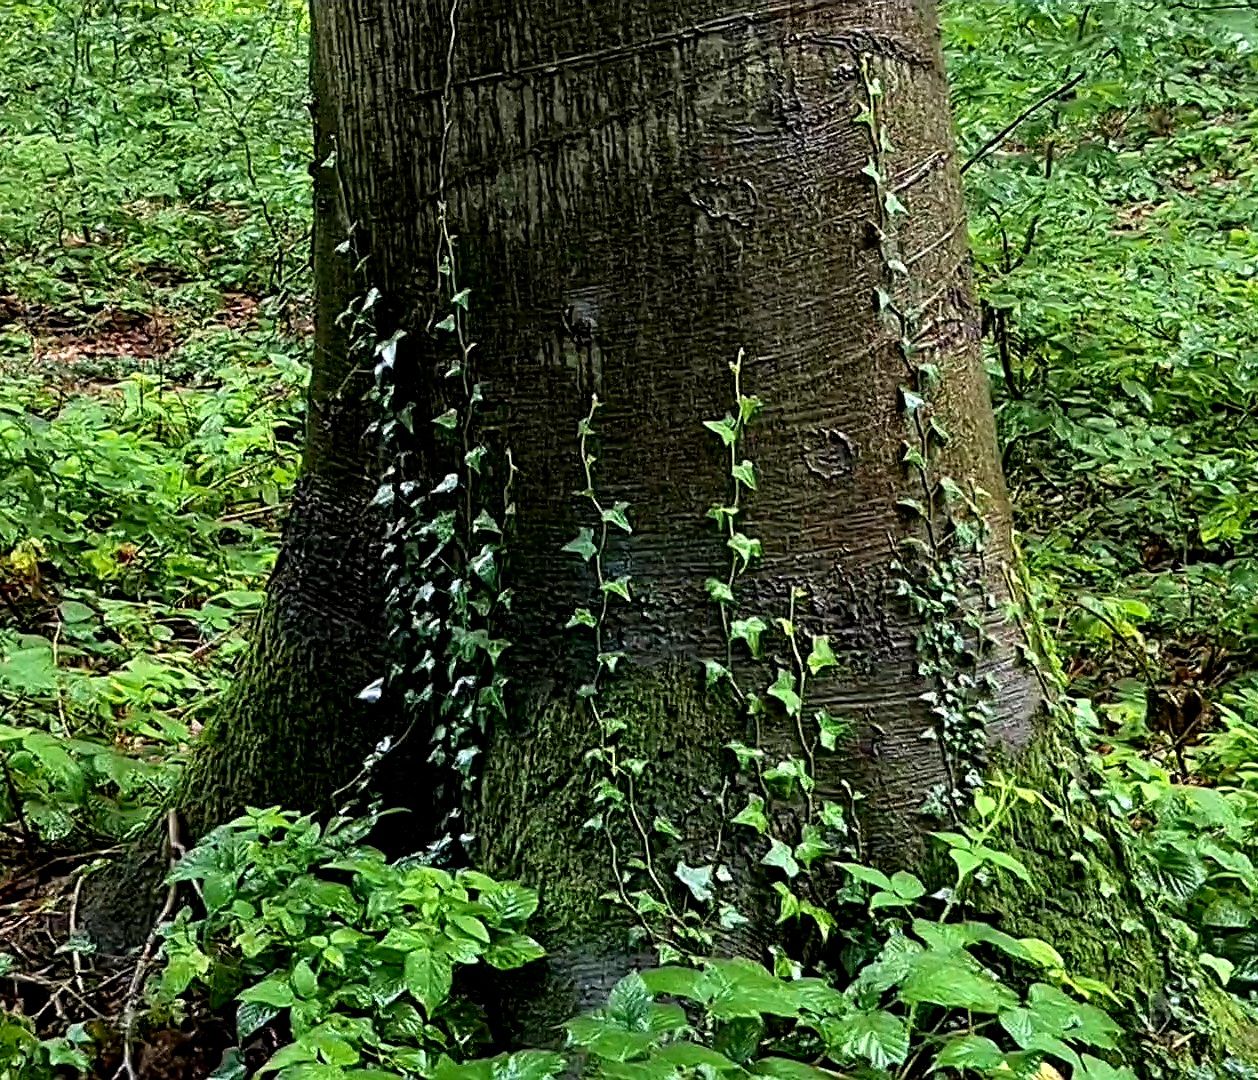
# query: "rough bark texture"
x,y
641,190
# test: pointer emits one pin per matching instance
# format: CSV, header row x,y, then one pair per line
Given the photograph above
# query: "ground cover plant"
x,y
155,343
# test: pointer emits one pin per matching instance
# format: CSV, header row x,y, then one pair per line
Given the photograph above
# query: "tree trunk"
x,y
293,729
643,192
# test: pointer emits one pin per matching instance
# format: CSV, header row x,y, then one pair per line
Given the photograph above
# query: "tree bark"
x,y
293,729
641,192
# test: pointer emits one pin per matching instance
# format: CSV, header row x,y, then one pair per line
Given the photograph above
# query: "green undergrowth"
x,y
1113,236
156,153
137,525
1098,918
154,211
1117,261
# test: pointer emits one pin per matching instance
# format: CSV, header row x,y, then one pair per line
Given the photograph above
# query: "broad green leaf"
x,y
948,980
973,1052
629,1003
878,1038
513,951
428,977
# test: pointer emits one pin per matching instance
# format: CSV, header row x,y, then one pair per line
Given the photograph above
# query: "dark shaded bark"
x,y
292,730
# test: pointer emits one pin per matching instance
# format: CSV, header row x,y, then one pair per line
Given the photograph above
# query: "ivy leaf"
x,y
745,548
822,655
698,879
583,545
748,406
665,827
779,855
583,616
616,516
831,728
715,673
750,631
752,815
745,474
727,429
448,419
719,591
619,586
784,690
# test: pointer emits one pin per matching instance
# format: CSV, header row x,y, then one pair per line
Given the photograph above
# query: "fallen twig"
x,y
177,849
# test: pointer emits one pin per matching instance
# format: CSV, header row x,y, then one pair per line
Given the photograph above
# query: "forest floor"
x,y
154,333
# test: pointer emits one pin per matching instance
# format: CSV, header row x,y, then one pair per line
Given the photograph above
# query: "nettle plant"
x,y
939,994
316,933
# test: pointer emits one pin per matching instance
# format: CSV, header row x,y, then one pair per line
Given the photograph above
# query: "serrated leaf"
x,y
879,1038
428,977
629,1003
972,1052
947,980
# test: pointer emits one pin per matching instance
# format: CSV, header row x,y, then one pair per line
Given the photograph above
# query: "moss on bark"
x,y
541,780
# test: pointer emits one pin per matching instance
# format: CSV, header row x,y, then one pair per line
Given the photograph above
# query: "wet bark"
x,y
641,191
